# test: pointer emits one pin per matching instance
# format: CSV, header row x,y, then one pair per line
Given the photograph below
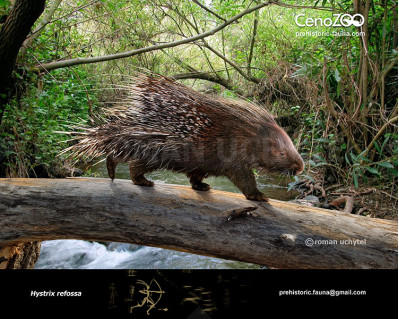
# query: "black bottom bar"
x,y
200,293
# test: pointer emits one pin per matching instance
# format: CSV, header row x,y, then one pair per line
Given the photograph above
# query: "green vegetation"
x,y
29,145
335,94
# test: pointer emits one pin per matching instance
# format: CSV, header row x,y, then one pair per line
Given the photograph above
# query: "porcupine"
x,y
163,124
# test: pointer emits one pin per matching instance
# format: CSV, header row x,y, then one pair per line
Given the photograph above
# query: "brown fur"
x,y
165,125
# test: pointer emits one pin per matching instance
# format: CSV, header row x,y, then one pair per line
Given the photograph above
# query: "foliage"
x,y
338,97
29,144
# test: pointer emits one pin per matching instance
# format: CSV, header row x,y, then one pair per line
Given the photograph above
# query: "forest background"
x,y
335,94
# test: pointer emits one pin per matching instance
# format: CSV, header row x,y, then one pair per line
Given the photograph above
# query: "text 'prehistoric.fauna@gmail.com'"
x,y
314,292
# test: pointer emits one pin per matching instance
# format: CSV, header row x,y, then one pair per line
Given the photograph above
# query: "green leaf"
x,y
313,164
372,170
363,158
308,177
319,157
385,164
353,157
385,141
347,159
5,3
336,75
377,147
323,140
355,179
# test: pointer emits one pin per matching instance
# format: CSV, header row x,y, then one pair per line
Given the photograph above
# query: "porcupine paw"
x,y
258,196
201,187
144,183
111,175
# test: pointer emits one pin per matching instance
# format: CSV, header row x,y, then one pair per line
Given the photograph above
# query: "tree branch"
x,y
294,6
232,63
208,10
209,77
77,61
382,130
251,47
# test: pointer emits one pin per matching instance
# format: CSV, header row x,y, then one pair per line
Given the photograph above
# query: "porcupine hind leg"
x,y
197,184
137,172
111,166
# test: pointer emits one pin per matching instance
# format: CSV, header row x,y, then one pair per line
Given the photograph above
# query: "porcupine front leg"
x,y
196,182
245,181
137,175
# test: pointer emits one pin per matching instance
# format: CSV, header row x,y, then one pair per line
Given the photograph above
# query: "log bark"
x,y
275,234
20,256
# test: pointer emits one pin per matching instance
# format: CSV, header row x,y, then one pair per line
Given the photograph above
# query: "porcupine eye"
x,y
282,154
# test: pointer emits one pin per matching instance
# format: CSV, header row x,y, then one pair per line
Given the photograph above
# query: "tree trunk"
x,y
276,234
19,256
12,34
39,29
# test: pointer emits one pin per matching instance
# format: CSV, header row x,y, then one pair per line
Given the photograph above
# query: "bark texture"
x,y
12,34
20,255
274,234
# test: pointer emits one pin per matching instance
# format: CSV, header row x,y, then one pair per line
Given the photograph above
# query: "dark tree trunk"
x,y
12,34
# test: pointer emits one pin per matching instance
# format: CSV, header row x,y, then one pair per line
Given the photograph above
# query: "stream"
x,y
79,254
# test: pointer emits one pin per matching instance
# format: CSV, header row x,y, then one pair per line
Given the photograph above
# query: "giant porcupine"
x,y
162,124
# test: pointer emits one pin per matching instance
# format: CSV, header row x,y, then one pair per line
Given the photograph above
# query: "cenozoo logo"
x,y
338,20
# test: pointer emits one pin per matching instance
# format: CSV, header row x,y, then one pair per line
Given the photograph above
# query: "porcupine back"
x,y
158,114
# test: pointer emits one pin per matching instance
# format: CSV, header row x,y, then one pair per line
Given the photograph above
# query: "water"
x,y
79,254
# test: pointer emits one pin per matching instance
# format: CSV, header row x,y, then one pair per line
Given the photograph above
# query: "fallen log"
x,y
276,234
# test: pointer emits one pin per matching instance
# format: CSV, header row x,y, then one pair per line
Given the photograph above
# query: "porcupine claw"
x,y
258,196
202,187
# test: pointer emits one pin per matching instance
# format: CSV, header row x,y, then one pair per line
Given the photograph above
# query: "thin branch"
x,y
348,200
233,64
389,67
286,5
209,76
78,61
209,10
382,129
251,48
75,10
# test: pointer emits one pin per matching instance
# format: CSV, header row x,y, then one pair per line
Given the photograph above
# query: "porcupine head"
x,y
162,124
